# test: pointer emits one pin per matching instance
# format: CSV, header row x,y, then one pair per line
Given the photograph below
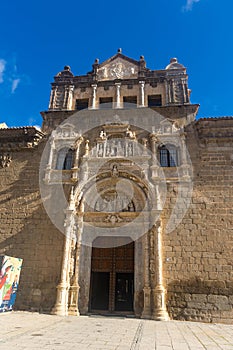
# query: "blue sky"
x,y
39,37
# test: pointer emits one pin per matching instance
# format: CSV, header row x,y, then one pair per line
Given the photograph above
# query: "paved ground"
x,y
24,330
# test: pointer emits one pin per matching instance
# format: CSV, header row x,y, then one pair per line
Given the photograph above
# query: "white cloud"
x,y
189,5
10,78
2,68
14,85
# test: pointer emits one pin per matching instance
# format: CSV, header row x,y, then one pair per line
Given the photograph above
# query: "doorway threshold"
x,y
111,314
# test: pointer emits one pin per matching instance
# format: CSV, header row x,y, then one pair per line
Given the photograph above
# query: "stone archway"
x,y
74,288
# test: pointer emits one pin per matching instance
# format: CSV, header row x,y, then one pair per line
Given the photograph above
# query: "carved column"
x,y
94,90
155,167
118,95
61,306
87,148
74,288
76,159
184,159
144,142
147,289
159,292
142,94
50,160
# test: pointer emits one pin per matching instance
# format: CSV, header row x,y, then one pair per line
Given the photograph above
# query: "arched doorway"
x,y
112,276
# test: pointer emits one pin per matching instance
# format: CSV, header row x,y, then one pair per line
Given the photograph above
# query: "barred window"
x,y
65,159
168,156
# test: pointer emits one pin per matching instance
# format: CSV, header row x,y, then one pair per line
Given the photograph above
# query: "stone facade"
x,y
121,158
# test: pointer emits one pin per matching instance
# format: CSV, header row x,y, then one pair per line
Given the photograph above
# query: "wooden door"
x,y
112,278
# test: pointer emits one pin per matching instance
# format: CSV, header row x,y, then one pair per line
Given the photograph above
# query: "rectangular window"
x,y
81,103
105,102
154,100
173,157
164,157
130,100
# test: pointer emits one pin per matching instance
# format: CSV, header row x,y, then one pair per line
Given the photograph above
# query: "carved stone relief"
x,y
118,69
5,160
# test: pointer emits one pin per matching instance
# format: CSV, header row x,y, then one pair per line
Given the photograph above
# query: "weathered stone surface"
x,y
194,262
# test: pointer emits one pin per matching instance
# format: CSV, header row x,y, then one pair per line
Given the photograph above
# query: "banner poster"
x,y
10,269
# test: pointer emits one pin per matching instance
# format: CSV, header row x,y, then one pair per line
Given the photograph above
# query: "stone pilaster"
x,y
52,102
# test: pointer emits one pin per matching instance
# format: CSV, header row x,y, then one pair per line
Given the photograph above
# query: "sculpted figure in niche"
x,y
115,172
100,150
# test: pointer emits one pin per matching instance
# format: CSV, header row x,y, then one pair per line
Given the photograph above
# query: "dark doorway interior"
x,y
112,278
100,290
124,292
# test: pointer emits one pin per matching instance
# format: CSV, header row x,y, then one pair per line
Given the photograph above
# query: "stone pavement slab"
x,y
34,331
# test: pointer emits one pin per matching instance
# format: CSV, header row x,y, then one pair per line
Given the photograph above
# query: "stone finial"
x,y
142,62
119,50
67,68
174,64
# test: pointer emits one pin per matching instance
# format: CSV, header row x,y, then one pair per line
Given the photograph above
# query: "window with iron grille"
x,y
65,159
168,156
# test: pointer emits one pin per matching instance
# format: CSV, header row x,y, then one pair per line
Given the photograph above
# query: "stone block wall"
x,y
198,260
26,231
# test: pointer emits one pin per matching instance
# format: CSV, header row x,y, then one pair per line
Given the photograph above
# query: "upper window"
x,y
105,102
168,156
81,103
65,159
154,100
130,99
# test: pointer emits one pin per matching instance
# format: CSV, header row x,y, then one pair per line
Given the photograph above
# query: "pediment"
x,y
119,67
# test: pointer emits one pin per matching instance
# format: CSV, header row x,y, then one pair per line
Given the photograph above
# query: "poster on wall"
x,y
10,269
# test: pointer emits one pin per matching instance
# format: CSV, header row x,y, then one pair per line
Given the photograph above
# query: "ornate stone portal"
x,y
98,204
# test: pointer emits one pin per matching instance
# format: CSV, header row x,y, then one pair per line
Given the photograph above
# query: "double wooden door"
x,y
112,278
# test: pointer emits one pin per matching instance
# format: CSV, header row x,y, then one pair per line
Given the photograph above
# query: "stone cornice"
x,y
18,138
